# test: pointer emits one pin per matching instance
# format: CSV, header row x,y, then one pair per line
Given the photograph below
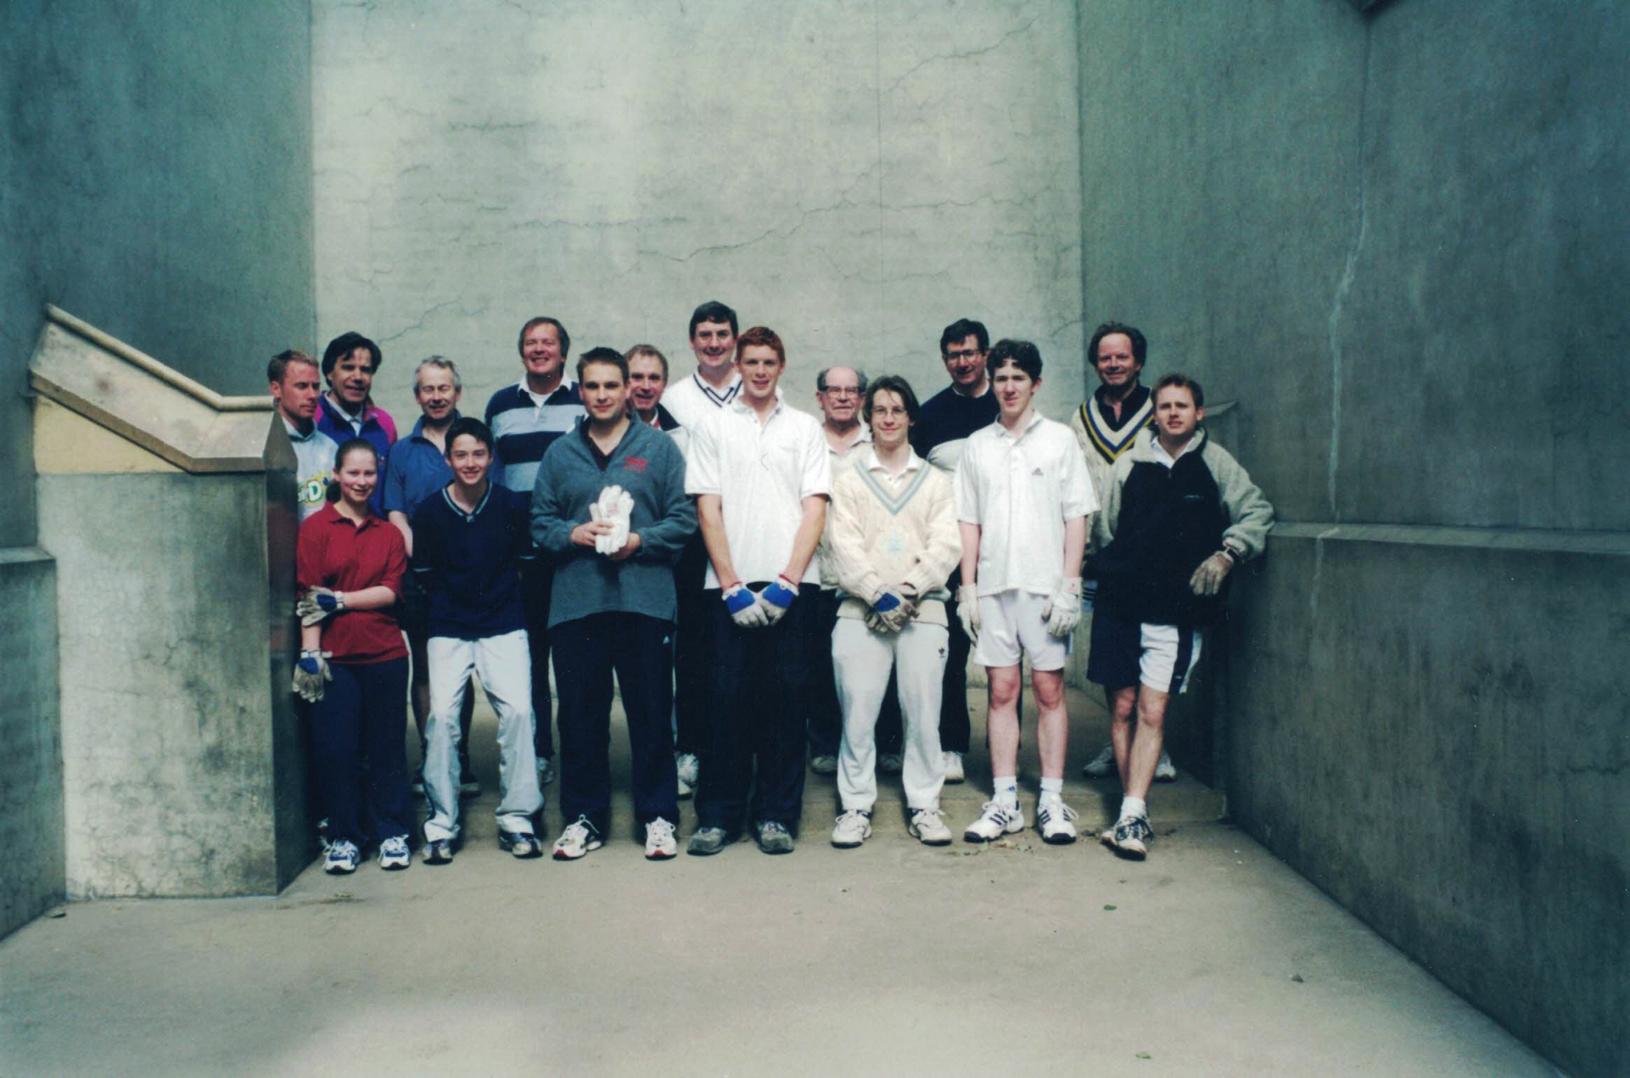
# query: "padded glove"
x,y
744,607
890,612
310,672
317,604
967,610
1208,578
1063,611
776,598
614,506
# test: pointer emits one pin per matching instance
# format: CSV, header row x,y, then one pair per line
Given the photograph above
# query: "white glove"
x,y
309,674
1208,578
1063,611
967,610
317,604
615,506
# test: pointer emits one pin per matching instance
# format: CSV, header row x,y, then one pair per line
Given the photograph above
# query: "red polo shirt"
x,y
337,554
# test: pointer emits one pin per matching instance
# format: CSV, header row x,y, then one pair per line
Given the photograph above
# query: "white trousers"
x,y
861,660
504,665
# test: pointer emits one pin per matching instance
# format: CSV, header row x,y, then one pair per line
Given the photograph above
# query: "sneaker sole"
x,y
1057,840
700,851
918,835
976,837
660,855
339,870
438,859
855,845
777,851
1129,853
516,850
562,855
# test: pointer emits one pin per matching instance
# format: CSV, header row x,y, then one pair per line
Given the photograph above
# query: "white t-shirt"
x,y
1020,491
691,400
761,473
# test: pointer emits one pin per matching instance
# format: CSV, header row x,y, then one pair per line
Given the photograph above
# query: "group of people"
x,y
765,586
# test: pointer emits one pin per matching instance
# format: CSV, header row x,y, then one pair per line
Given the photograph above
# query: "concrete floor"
x,y
1211,957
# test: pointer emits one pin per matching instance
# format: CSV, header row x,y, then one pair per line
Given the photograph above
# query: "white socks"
x,y
1133,806
1006,790
1052,791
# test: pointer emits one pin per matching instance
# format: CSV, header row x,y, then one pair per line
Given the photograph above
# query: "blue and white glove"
x,y
309,675
744,608
776,598
890,613
317,604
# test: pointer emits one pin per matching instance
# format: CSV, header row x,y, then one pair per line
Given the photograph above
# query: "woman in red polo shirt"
x,y
353,666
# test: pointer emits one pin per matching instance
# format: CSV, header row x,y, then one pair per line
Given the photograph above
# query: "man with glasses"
x,y
838,394
947,419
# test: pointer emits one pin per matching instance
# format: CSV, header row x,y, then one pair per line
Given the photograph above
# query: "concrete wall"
x,y
854,174
156,181
31,766
1398,240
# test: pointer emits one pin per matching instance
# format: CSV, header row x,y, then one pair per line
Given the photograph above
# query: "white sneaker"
x,y
690,770
1056,822
393,853
1102,765
660,843
953,768
995,820
341,858
853,828
1165,771
578,839
928,827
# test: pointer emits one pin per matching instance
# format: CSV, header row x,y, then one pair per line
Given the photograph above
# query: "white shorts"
x,y
1011,622
1126,653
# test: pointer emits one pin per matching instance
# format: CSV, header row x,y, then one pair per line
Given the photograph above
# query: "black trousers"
x,y
359,739
537,578
639,650
759,688
690,647
954,725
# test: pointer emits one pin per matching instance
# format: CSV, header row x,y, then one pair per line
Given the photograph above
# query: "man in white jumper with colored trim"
x,y
1023,499
892,539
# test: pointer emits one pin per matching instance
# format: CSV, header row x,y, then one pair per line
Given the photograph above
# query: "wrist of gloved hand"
x,y
310,672
967,610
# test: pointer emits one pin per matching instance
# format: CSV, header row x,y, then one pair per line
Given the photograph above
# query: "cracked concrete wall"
x,y
1397,239
156,180
854,174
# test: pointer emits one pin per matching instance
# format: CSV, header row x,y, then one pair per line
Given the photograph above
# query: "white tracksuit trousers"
x,y
504,665
861,660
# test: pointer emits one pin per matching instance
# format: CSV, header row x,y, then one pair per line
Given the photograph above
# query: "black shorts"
x,y
1128,653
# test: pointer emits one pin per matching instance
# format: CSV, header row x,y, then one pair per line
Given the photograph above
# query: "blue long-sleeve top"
x,y
570,478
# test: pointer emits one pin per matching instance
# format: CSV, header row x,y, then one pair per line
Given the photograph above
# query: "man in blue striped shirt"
x,y
525,419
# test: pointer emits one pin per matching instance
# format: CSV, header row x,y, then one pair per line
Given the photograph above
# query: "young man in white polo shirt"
x,y
690,401
891,542
759,472
1023,499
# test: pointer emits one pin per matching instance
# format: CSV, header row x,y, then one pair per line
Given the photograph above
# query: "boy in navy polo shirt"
x,y
613,604
466,543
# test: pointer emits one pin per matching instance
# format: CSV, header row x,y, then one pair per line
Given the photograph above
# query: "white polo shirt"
x,y
1020,491
691,400
761,473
